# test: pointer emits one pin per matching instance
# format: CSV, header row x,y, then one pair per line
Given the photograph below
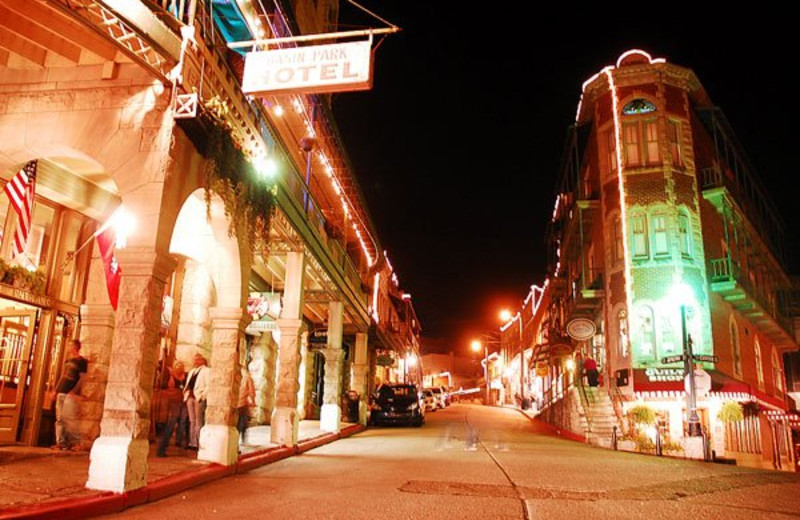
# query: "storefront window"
x,y
35,254
3,215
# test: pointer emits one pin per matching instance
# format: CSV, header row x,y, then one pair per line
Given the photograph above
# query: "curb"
x,y
106,502
564,434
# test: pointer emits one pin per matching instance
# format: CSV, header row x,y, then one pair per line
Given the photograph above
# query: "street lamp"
x,y
476,347
682,293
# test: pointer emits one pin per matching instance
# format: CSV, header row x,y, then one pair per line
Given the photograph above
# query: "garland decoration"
x,y
249,201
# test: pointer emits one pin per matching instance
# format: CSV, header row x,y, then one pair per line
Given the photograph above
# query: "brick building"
x,y
663,238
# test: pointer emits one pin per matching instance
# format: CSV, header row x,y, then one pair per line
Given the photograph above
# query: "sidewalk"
x,y
41,483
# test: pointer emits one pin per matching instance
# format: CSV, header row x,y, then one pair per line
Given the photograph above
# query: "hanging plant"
x,y
249,201
730,412
750,409
642,414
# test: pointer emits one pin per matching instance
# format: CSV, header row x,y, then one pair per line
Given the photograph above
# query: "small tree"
x,y
641,415
730,412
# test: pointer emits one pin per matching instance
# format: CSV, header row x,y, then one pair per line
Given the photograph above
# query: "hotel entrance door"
x,y
16,337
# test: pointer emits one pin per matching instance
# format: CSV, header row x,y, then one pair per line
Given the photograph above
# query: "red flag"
x,y
105,242
20,190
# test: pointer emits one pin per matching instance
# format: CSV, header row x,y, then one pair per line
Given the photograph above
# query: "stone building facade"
x,y
139,106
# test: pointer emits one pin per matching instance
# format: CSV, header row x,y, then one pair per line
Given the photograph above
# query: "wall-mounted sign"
x,y
581,328
561,349
542,369
664,374
318,336
336,67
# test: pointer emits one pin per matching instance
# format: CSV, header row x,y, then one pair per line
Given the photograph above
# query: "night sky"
x,y
458,144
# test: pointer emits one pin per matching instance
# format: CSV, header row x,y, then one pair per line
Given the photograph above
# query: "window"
x,y
622,320
759,364
639,231
736,350
684,241
777,373
610,149
630,137
638,106
673,138
618,254
651,142
660,234
646,331
668,344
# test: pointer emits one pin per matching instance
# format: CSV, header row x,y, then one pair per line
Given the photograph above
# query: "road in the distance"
x,y
474,462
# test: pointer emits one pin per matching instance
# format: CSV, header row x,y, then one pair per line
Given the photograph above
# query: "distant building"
x,y
451,371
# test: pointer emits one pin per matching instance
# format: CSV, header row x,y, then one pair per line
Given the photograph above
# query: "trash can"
x,y
351,402
526,403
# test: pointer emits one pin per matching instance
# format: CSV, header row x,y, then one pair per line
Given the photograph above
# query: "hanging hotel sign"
x,y
581,328
335,67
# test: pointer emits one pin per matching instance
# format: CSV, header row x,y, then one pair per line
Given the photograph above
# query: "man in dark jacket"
x,y
67,434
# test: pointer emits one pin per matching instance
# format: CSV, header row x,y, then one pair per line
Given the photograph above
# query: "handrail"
x,y
616,400
584,401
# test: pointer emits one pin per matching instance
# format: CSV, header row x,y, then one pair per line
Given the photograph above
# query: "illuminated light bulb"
x,y
570,364
123,223
278,110
265,167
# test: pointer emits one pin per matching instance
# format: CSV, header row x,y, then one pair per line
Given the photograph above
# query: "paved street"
x,y
476,462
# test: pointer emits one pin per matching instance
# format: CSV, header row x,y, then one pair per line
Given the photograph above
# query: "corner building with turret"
x,y
663,241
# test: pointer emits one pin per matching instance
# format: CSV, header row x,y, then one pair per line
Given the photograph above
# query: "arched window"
x,y
638,106
645,332
759,364
622,338
684,235
777,373
736,350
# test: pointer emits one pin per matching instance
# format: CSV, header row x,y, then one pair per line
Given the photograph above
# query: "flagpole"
x,y
71,255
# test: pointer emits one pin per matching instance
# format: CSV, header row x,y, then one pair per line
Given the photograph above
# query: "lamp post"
x,y
476,347
688,367
683,294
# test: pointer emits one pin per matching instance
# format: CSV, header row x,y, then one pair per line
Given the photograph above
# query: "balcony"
x,y
587,292
763,310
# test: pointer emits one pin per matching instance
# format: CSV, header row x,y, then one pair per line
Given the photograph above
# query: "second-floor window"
x,y
674,141
622,319
660,242
759,364
618,254
736,350
777,373
630,137
639,232
684,240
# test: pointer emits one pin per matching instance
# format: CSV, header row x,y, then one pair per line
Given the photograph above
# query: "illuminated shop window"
x,y
684,237
639,231
736,349
759,364
674,141
638,106
660,242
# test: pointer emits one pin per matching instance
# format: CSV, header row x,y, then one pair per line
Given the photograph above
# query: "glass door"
x,y
16,337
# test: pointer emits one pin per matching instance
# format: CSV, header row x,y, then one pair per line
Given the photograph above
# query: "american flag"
x,y
20,190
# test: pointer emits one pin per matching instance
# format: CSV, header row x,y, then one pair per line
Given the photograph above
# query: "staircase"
x,y
598,418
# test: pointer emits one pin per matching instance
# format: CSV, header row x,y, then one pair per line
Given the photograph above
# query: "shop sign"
x,y
14,293
384,361
260,326
542,369
702,383
335,67
318,336
664,374
581,329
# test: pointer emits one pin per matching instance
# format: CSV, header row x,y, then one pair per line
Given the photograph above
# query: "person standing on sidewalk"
x,y
172,393
195,393
68,387
247,399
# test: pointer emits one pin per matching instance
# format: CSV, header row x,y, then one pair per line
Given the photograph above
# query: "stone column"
x,y
194,334
118,460
360,376
97,336
262,370
331,412
284,423
219,439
